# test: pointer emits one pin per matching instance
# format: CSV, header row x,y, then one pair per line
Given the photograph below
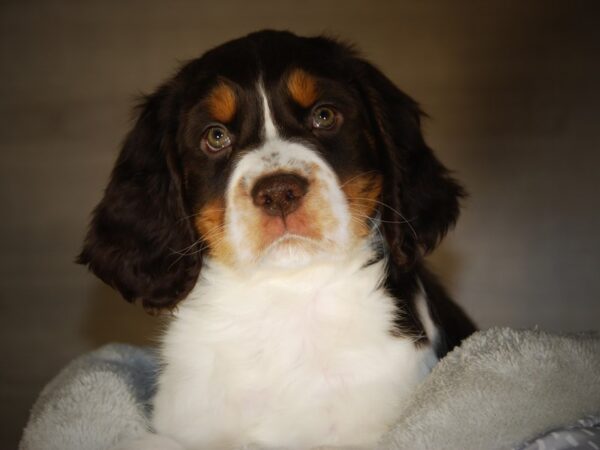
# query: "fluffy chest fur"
x,y
286,359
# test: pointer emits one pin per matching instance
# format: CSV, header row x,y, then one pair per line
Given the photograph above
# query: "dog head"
x,y
271,149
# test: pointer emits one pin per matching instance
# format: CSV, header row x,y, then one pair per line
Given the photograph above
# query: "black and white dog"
x,y
278,197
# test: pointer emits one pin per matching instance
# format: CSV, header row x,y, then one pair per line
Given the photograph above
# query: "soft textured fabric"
x,y
501,389
97,401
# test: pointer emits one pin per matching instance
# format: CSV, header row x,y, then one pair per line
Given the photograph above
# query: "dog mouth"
x,y
299,224
295,240
293,249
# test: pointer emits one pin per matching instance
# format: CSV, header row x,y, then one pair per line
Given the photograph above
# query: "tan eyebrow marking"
x,y
303,87
222,103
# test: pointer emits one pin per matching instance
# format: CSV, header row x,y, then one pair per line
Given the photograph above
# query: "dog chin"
x,y
292,251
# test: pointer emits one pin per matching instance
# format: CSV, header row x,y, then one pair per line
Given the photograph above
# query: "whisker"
x,y
406,221
358,213
383,204
357,176
357,217
184,250
187,251
206,211
202,248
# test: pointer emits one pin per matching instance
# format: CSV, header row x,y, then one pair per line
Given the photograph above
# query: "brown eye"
x,y
324,118
216,138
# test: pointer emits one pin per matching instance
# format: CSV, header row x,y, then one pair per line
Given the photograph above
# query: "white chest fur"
x,y
285,359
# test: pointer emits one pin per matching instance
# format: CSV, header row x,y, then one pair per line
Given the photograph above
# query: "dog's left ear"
x,y
420,197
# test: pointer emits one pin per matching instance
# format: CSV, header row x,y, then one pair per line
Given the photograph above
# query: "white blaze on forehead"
x,y
270,130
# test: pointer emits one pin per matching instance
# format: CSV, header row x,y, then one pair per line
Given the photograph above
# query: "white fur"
x,y
288,349
270,130
286,359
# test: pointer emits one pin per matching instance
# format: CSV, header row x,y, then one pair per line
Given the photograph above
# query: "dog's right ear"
x,y
139,233
421,198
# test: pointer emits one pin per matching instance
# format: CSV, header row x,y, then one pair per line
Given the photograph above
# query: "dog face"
x,y
279,199
270,150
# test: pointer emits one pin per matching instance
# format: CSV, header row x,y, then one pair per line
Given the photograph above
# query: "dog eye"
x,y
324,118
216,138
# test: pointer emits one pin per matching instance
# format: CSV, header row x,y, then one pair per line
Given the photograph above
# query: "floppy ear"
x,y
421,196
140,227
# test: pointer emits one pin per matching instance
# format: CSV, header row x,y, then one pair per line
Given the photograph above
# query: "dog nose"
x,y
279,194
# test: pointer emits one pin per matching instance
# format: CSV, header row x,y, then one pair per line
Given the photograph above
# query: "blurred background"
x,y
513,93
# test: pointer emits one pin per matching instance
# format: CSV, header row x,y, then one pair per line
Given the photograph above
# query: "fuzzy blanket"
x,y
502,389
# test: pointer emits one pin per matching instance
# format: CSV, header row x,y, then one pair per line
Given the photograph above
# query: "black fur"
x,y
141,233
420,203
141,219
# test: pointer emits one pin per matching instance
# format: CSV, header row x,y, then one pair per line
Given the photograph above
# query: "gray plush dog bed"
x,y
502,389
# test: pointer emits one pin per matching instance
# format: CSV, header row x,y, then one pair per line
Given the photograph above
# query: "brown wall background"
x,y
512,88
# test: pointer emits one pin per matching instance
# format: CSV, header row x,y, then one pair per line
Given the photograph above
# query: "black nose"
x,y
279,194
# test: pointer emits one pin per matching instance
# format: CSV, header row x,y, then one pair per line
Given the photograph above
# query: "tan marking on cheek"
x,y
303,88
221,103
210,223
362,192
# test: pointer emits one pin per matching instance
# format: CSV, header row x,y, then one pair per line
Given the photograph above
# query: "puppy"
x,y
277,196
